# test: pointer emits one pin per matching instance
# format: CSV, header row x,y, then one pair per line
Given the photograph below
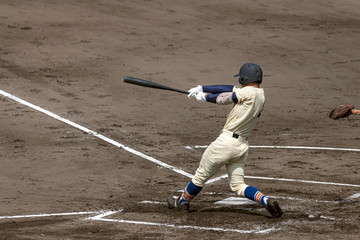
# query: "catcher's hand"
x,y
341,112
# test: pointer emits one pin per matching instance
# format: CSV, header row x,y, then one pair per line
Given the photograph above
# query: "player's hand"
x,y
194,91
200,96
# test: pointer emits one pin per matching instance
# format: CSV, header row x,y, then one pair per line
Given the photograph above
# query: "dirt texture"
x,y
70,57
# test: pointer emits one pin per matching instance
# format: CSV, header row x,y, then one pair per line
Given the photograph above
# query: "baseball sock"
x,y
190,192
254,194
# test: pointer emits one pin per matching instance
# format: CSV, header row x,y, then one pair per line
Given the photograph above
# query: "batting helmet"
x,y
248,73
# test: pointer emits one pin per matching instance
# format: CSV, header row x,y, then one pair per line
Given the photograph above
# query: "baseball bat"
x,y
146,83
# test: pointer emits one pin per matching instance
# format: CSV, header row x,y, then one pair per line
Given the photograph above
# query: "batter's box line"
x,y
287,147
287,180
103,217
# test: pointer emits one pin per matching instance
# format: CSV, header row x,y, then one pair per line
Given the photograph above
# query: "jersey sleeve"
x,y
214,98
214,89
240,94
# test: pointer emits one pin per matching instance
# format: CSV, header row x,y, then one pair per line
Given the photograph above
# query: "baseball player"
x,y
231,147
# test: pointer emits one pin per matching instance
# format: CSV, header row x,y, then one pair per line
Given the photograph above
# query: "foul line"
x,y
47,215
95,134
165,165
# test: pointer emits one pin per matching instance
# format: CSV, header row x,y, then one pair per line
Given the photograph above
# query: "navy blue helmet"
x,y
248,73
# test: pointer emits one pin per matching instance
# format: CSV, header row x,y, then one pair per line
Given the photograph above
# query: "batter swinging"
x,y
231,147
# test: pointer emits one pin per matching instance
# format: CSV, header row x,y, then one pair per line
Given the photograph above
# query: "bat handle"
x,y
182,91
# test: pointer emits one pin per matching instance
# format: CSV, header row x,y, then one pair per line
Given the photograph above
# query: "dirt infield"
x,y
104,158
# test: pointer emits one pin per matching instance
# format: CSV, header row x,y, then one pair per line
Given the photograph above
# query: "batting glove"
x,y
200,96
194,91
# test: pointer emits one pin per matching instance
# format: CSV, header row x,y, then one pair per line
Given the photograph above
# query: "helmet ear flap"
x,y
248,73
243,79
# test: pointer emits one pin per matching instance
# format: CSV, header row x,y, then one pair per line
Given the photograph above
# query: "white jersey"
x,y
246,112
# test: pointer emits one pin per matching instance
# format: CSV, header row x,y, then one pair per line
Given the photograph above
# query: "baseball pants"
x,y
229,151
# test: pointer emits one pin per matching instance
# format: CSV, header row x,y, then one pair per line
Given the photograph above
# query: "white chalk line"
x,y
289,147
351,197
47,215
152,202
304,199
101,217
314,216
105,214
356,195
165,165
241,201
287,180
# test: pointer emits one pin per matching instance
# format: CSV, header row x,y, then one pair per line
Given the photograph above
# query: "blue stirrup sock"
x,y
254,194
190,192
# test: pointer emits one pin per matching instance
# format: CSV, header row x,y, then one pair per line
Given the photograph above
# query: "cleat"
x,y
274,208
173,202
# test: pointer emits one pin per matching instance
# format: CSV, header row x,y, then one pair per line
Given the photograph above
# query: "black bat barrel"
x,y
146,83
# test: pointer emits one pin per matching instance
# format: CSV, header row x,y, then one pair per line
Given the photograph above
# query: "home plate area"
x,y
183,220
236,201
241,215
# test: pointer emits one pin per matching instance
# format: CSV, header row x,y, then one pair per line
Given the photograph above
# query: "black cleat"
x,y
274,208
173,202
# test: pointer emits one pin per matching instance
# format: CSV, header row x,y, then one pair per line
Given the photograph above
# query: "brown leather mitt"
x,y
343,111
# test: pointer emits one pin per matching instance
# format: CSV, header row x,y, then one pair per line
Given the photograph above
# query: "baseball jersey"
x,y
246,112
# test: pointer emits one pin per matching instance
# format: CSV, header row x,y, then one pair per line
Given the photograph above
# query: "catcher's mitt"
x,y
341,112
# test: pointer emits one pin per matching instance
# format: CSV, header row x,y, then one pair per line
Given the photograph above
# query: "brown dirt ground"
x,y
70,58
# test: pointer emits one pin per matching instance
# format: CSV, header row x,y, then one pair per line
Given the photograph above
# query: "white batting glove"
x,y
194,91
200,96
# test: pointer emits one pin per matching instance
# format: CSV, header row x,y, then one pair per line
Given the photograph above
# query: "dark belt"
x,y
237,136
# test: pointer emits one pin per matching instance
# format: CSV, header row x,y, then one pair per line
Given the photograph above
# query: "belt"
x,y
234,135
237,136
